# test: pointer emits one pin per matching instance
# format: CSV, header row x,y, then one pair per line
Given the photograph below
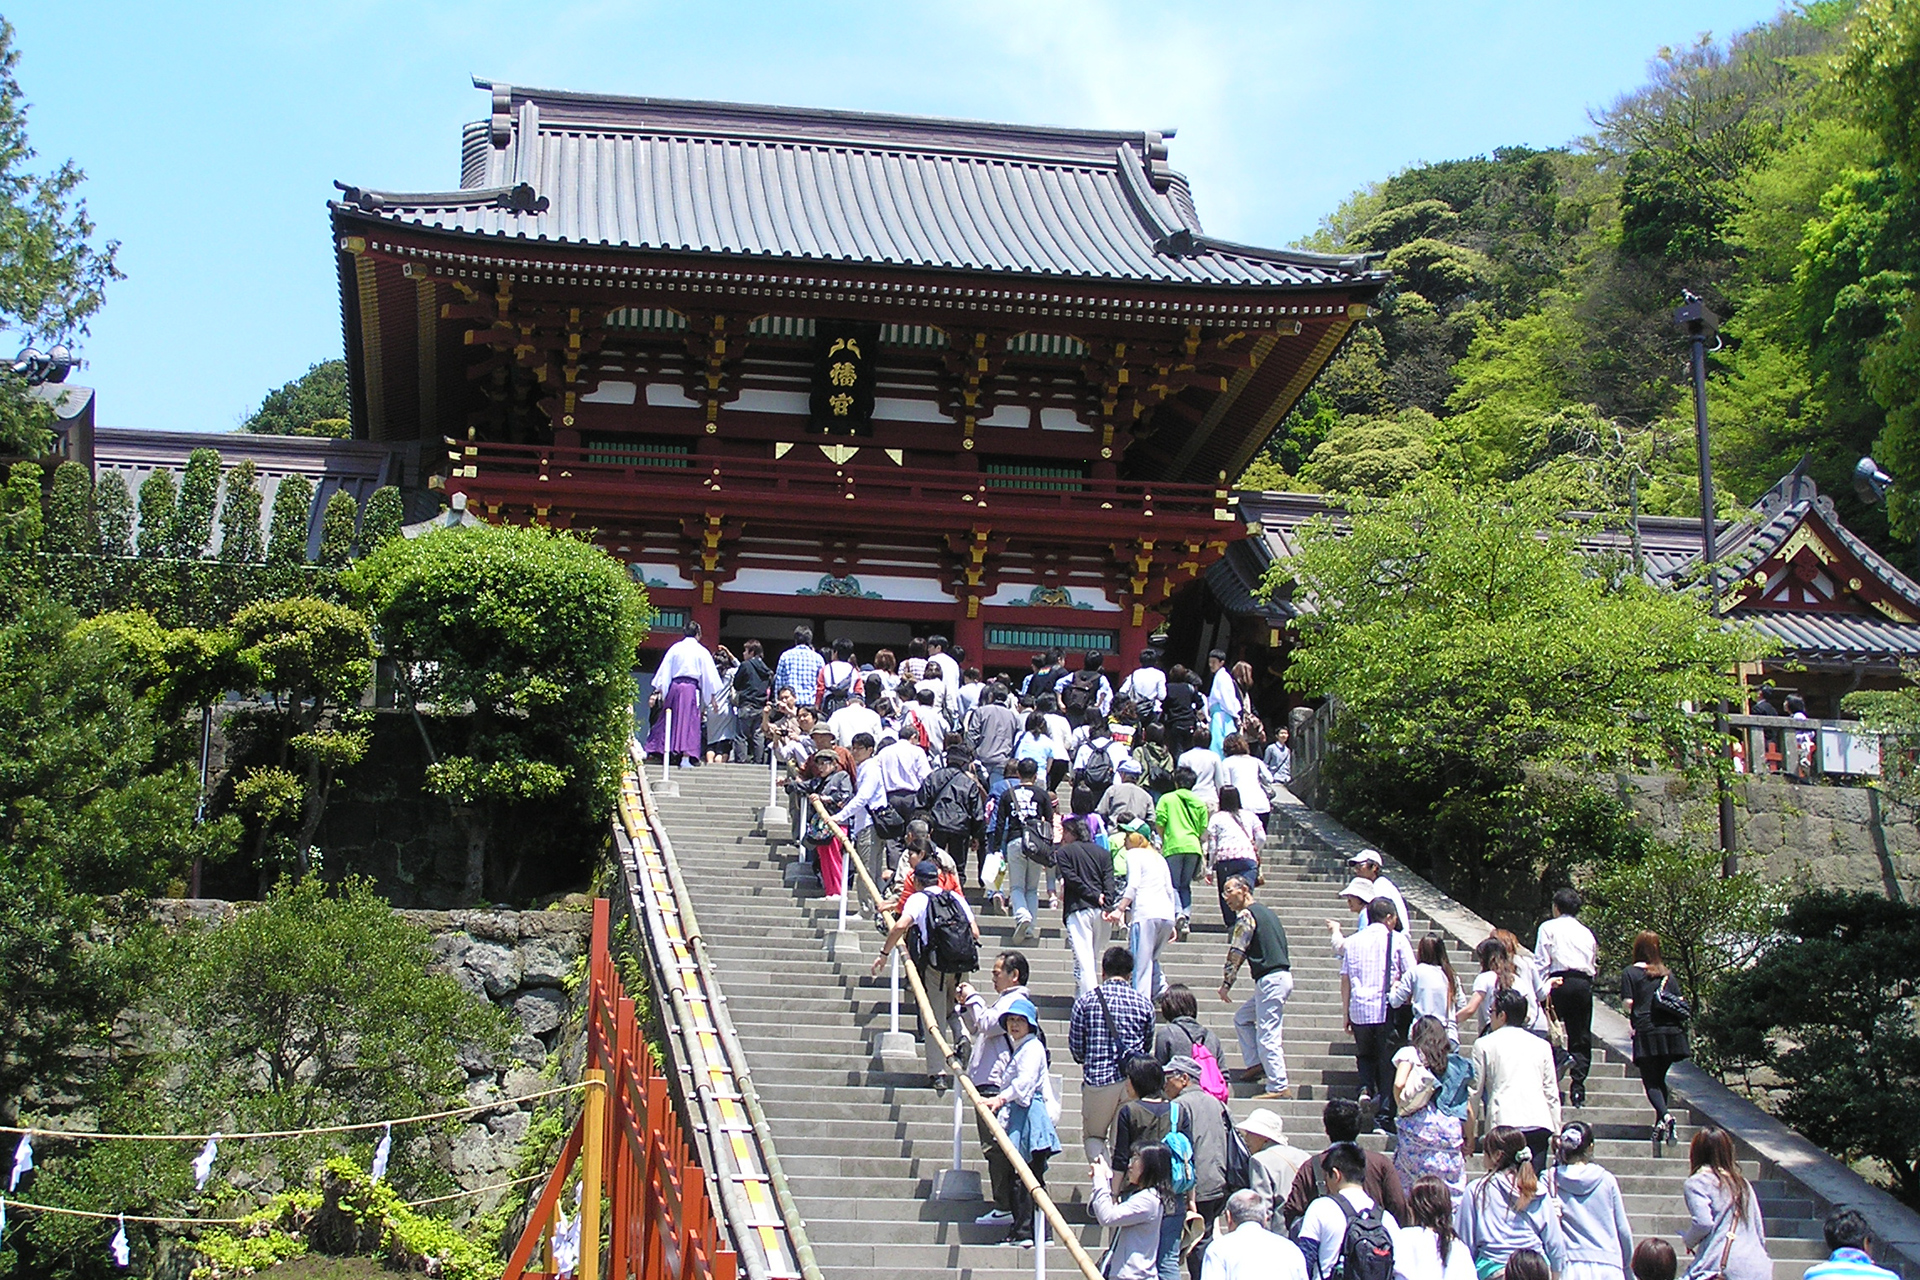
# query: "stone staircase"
x,y
862,1148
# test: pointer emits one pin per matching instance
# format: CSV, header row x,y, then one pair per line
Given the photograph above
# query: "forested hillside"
x,y
1528,327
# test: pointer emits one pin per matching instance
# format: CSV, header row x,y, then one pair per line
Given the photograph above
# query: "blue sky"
x,y
211,133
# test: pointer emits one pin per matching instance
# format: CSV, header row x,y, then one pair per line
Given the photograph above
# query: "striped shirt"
x,y
799,670
1373,961
1848,1264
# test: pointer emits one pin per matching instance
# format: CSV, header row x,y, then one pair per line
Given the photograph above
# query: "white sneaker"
x,y
993,1218
1022,930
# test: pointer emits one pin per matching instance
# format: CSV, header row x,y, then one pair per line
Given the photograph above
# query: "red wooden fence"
x,y
640,1180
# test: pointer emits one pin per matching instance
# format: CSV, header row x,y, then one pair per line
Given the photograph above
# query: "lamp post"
x,y
1701,326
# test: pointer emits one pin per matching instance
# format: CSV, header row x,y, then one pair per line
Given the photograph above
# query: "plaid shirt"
x,y
799,670
1373,961
1102,1055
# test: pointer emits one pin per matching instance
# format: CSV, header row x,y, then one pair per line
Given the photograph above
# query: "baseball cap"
x,y
1365,858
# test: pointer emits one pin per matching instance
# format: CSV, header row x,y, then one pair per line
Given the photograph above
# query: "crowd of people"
x,y
1105,801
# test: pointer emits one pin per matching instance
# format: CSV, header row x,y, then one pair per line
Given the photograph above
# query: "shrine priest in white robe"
x,y
684,683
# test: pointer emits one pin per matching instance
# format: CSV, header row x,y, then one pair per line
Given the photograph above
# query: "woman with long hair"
x,y
1504,1211
1135,1251
1727,1234
1659,1031
1429,1138
1232,847
1428,1249
1593,1215
1497,974
1528,978
1431,987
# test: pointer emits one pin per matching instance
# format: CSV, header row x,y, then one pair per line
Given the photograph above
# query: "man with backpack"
x,y
1345,1235
943,941
1341,1120
955,804
836,679
1096,766
1216,1149
1149,1115
1085,693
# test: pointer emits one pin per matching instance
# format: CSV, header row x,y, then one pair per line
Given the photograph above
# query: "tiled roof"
x,y
1782,510
838,186
1836,637
1235,580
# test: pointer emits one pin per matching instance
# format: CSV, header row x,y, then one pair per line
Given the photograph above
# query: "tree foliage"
x,y
337,529
386,513
21,520
199,495
1828,1007
159,502
537,632
240,516
53,274
113,514
313,404
1471,645
69,517
292,519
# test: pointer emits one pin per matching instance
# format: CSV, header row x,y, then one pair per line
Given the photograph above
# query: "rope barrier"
x,y
495,1105
1063,1231
239,1222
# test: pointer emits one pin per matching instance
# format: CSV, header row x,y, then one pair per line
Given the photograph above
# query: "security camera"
x,y
1870,482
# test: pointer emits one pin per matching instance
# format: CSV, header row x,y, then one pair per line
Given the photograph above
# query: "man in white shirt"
x,y
902,766
941,662
990,1049
1366,866
1323,1231
942,988
857,815
1565,951
1205,766
1518,1085
1246,1250
854,719
1370,963
1146,688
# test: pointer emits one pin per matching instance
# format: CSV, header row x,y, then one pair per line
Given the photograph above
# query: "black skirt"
x,y
1656,1033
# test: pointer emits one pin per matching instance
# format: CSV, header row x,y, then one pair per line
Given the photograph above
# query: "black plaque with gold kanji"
x,y
843,359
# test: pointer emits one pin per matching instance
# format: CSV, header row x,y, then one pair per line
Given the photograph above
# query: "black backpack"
x,y
1080,690
1239,1161
1367,1251
1098,775
1036,833
953,805
837,693
950,946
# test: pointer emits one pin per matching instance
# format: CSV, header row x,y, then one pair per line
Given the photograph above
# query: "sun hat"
x,y
1262,1122
1361,889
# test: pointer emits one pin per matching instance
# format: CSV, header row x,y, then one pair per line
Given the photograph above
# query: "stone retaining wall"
x,y
522,962
1830,837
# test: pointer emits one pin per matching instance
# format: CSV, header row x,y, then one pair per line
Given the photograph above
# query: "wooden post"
x,y
591,1158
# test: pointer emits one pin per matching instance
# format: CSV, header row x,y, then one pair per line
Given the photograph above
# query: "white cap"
x,y
1360,888
1365,858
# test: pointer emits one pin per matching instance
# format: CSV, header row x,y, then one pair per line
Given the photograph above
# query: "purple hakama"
x,y
683,699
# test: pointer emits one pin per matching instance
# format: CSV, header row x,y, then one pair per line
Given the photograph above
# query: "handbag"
x,y
1671,1002
1417,1092
1556,1031
1726,1250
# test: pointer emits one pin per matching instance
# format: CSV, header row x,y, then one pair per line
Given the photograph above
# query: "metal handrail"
x,y
685,973
930,1024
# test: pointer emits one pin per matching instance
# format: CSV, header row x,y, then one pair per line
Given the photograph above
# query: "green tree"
x,y
316,1008
1472,646
199,495
1828,1008
535,631
53,277
310,660
385,515
98,797
1374,457
292,518
21,519
240,516
313,404
69,524
158,505
113,514
337,529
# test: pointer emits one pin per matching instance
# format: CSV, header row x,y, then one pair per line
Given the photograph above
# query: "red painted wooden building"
x,y
887,375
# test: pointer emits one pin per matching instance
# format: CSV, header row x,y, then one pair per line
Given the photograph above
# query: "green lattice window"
x,y
657,318
1052,477
1052,638
1064,345
668,620
638,451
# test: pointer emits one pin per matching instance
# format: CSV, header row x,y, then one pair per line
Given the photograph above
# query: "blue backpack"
x,y
1180,1147
1455,1089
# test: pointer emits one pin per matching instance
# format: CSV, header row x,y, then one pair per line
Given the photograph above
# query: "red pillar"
x,y
708,616
1133,637
971,634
